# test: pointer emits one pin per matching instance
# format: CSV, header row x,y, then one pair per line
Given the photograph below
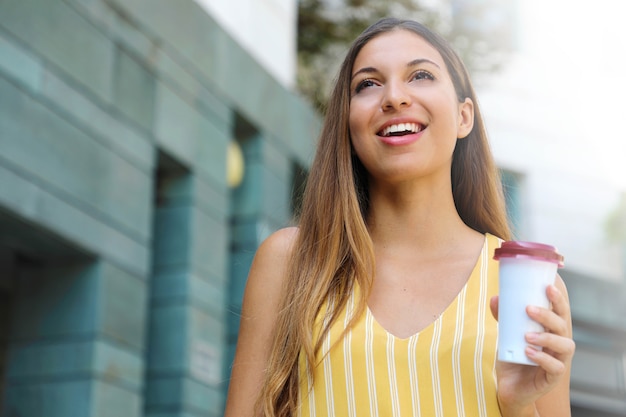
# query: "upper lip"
x,y
401,123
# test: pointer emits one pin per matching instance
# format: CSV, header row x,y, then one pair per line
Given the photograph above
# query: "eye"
x,y
422,75
364,84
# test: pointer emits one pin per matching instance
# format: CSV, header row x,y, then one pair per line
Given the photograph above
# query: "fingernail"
x,y
533,310
532,337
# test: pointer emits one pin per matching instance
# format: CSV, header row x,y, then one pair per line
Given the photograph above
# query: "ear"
x,y
466,118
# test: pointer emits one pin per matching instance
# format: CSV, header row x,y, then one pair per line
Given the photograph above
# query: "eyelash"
x,y
418,75
363,84
428,75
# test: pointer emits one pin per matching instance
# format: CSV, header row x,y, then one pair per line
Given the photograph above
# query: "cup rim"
x,y
529,250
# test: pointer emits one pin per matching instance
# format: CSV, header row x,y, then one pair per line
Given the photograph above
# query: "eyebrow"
x,y
415,62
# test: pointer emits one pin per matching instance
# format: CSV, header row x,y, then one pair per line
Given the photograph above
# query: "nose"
x,y
395,96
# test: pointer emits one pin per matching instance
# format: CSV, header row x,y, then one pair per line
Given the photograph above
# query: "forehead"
x,y
399,45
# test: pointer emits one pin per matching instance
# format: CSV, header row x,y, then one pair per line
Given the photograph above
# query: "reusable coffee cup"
x,y
526,271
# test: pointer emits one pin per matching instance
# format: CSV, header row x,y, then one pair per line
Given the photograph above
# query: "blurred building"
x,y
148,146
560,146
145,151
556,202
248,21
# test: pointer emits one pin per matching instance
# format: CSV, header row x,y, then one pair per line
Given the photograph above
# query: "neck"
x,y
421,216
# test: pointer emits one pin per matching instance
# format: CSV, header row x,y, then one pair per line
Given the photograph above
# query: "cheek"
x,y
355,139
357,122
362,148
357,128
352,133
352,120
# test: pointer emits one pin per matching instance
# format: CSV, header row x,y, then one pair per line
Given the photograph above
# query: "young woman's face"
x,y
404,114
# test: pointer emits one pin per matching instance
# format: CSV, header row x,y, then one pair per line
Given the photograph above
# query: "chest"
x,y
405,299
446,368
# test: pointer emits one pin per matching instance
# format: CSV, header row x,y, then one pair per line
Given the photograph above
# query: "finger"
x,y
549,320
560,304
561,347
493,305
552,365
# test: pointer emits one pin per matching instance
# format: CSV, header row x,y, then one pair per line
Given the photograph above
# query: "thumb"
x,y
493,305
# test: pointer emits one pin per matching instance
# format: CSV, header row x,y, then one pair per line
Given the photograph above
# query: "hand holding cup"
x,y
527,269
535,329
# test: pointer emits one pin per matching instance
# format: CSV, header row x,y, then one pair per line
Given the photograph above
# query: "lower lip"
x,y
400,140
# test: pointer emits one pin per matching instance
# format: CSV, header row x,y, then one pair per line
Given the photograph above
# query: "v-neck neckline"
x,y
455,300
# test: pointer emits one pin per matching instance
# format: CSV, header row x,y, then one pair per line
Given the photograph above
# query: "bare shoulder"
x,y
261,302
273,255
268,272
278,243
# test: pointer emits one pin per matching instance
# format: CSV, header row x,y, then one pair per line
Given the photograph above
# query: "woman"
x,y
376,303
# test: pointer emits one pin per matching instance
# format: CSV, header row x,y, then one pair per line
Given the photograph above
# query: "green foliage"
x,y
326,28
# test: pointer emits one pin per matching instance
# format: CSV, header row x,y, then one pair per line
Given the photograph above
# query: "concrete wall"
x,y
121,249
265,28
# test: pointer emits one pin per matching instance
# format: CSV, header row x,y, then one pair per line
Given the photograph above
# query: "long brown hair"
x,y
333,248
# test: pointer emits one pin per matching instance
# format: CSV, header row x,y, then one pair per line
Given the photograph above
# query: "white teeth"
x,y
401,127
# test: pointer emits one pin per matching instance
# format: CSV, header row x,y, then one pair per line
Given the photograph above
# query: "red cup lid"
x,y
529,250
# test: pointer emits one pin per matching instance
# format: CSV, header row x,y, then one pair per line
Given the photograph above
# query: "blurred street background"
x,y
147,147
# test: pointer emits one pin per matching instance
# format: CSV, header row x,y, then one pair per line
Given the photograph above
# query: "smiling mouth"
x,y
401,129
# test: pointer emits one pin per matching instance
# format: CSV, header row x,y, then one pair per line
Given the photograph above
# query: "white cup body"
x,y
523,282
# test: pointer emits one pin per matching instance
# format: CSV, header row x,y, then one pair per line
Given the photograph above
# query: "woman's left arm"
x,y
541,390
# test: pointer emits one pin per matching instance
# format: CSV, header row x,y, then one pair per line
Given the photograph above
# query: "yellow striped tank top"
x,y
447,369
